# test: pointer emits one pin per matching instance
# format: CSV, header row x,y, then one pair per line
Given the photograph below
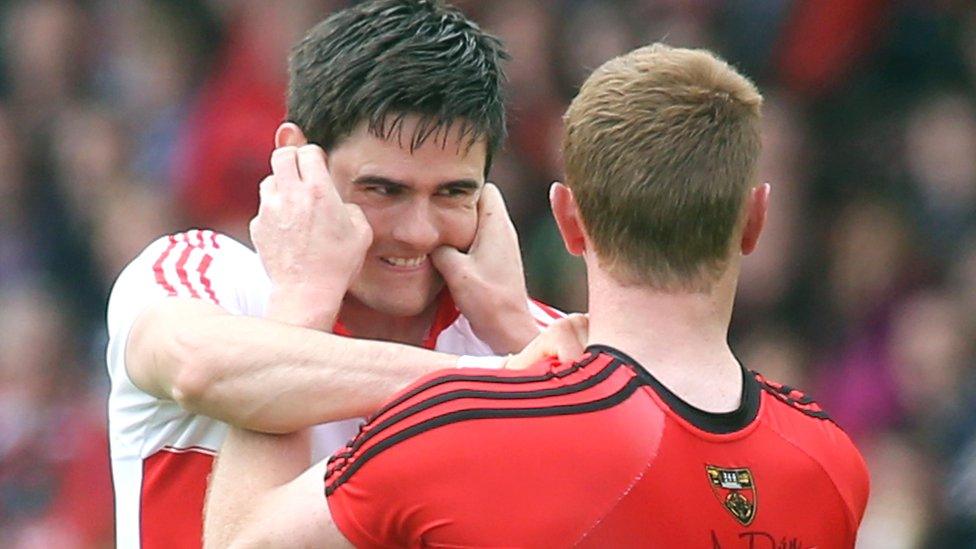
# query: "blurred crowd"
x,y
121,120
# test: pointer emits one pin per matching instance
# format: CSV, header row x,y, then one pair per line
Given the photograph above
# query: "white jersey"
x,y
162,454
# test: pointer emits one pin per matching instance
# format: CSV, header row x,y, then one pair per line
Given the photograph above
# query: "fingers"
x,y
356,214
303,169
268,194
359,221
493,219
315,172
450,262
266,188
580,324
564,339
311,164
492,208
567,342
284,166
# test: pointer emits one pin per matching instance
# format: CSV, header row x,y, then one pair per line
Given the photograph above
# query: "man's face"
x,y
415,202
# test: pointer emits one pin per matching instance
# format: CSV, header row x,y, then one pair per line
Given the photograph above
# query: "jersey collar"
x,y
719,424
445,315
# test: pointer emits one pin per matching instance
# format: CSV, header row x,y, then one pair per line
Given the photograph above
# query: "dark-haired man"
x,y
656,436
401,102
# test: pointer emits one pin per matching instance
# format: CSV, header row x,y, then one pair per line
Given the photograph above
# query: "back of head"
x,y
383,59
661,147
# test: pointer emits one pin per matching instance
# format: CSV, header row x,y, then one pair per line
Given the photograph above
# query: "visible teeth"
x,y
405,261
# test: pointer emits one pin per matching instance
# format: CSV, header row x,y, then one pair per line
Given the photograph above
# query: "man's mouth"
x,y
405,262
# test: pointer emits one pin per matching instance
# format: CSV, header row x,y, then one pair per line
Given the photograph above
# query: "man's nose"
x,y
417,226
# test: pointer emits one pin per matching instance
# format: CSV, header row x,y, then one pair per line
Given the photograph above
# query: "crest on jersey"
x,y
736,490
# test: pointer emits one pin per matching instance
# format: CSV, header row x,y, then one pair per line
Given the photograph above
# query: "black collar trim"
x,y
720,424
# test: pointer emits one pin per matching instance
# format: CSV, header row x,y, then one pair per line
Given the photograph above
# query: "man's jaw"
x,y
373,310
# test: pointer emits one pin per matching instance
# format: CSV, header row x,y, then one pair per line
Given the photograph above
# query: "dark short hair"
x,y
382,60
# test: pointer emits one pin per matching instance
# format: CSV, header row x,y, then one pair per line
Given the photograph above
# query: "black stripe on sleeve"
x,y
451,378
371,431
484,413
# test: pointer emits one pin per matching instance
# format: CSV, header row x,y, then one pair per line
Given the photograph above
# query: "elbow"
x,y
195,375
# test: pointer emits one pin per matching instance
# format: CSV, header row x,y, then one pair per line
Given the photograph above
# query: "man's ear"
x,y
566,214
289,134
756,207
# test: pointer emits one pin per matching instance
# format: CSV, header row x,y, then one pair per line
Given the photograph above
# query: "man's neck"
x,y
679,337
364,322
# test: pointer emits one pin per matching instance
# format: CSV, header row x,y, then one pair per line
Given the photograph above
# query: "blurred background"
x,y
124,120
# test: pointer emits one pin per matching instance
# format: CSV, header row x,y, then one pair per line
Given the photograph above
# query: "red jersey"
x,y
596,454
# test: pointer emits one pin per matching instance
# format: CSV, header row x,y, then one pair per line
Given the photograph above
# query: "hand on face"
x,y
310,242
564,339
488,282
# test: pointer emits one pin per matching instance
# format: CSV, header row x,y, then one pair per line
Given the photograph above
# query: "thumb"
x,y
450,262
580,323
355,213
493,218
569,337
359,222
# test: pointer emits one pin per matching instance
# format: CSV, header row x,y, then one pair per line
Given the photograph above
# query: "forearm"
x,y
511,330
249,467
269,376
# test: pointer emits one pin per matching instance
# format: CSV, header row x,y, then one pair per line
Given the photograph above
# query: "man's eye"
x,y
454,191
383,190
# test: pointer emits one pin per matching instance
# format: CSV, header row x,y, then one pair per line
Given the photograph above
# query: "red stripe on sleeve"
x,y
548,310
158,267
181,268
202,269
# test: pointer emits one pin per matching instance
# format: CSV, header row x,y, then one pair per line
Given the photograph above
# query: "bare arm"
x,y
255,499
262,374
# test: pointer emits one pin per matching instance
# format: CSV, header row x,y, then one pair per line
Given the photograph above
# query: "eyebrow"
x,y
469,184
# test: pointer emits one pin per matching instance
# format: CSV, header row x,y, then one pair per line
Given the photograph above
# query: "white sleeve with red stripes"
x,y
197,264
460,338
544,314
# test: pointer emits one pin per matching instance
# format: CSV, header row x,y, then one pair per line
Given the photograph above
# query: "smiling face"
x,y
414,202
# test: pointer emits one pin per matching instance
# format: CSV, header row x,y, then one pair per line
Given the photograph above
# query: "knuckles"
x,y
311,148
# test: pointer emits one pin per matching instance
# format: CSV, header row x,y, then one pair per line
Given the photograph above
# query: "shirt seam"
x,y
849,514
616,503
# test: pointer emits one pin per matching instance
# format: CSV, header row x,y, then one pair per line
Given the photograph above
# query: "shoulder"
x,y
181,261
800,420
505,433
792,398
455,396
197,263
